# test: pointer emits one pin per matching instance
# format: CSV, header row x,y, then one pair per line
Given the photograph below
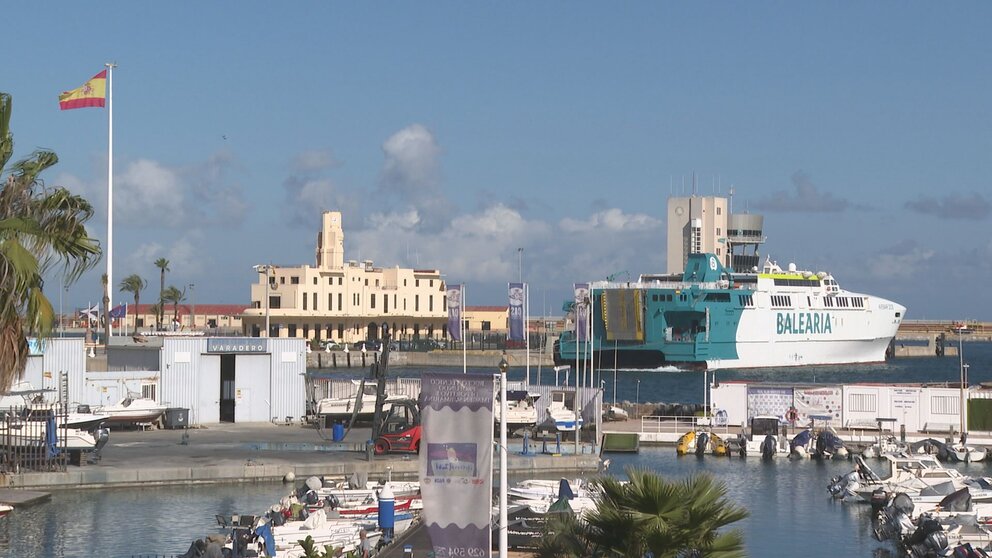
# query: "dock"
x,y
22,498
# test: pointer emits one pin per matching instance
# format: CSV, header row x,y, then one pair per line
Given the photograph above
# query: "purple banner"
x,y
455,312
456,463
581,311
517,291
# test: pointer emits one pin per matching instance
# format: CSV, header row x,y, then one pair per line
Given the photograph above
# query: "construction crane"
x,y
613,276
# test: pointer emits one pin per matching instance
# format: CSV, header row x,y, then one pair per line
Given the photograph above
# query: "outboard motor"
x,y
929,539
879,499
768,447
799,444
702,441
894,522
845,486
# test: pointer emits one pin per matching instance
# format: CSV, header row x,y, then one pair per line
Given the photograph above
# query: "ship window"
x,y
654,298
718,297
898,314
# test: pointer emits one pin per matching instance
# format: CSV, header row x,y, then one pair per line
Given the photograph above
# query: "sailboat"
x,y
962,451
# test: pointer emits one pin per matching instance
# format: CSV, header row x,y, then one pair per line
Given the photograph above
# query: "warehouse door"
x,y
227,388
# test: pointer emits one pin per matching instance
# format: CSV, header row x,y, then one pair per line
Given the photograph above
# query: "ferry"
x,y
712,317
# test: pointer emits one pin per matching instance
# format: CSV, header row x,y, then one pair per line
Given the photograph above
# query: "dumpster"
x,y
337,433
175,417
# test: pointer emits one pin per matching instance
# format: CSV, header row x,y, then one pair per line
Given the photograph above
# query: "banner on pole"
x,y
581,311
456,463
455,312
517,311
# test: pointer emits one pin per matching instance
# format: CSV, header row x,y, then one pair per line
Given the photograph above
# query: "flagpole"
x,y
110,187
461,330
527,328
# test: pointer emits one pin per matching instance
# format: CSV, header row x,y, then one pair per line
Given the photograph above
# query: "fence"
x,y
33,440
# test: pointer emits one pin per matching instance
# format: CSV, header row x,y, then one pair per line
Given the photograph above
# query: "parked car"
x,y
370,345
328,345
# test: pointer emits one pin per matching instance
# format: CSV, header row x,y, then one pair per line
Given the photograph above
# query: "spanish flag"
x,y
93,93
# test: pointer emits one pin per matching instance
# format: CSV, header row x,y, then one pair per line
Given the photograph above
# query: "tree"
x,y
133,284
107,324
174,296
40,227
648,514
163,265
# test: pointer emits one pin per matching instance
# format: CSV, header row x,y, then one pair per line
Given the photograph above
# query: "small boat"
x,y
965,453
131,410
565,419
761,438
615,413
700,442
5,509
359,406
521,413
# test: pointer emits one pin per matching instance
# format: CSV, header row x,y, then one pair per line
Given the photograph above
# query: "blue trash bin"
x,y
337,432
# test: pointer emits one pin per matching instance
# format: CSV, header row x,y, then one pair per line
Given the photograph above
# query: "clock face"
x,y
679,211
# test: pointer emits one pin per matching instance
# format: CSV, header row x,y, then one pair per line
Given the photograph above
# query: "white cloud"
x,y
611,220
411,161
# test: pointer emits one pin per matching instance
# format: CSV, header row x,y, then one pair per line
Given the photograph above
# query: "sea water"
x,y
790,509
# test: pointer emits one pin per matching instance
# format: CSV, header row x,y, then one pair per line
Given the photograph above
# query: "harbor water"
x,y
788,501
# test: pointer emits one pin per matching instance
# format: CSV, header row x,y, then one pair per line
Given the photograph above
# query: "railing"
x,y
680,425
27,445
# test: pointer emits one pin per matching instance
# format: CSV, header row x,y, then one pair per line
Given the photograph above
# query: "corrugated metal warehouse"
x,y
219,379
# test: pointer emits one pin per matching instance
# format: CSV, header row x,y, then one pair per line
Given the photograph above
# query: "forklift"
x,y
400,431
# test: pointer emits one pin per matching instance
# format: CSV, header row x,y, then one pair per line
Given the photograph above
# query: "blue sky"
x,y
450,134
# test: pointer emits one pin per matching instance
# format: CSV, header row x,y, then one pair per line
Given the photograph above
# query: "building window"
x,y
718,212
430,303
366,282
340,298
385,304
304,301
341,331
148,391
416,283
431,284
416,303
315,302
292,330
330,280
404,282
373,301
340,279
275,302
306,331
315,279
376,282
330,302
486,325
282,280
718,228
294,280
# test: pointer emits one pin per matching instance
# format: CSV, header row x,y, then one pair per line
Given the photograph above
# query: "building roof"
x,y
201,309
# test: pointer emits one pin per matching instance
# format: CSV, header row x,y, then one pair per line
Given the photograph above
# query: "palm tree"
x,y
107,326
163,265
174,296
648,514
39,227
133,284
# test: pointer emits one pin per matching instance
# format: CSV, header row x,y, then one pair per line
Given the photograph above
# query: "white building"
x,y
345,301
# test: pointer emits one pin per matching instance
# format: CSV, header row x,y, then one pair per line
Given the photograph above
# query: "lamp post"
x,y
637,399
260,268
961,372
503,526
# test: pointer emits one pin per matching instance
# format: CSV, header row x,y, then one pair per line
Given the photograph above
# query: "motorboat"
x,y
30,403
359,406
966,453
615,413
131,410
521,413
700,442
761,438
5,509
565,418
822,444
19,432
921,477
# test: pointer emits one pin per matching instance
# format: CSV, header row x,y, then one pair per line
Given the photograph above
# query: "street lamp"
x,y
265,268
503,524
637,399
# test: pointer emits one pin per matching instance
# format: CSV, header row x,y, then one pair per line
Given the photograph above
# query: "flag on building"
x,y
517,292
93,93
456,462
454,295
581,311
118,311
